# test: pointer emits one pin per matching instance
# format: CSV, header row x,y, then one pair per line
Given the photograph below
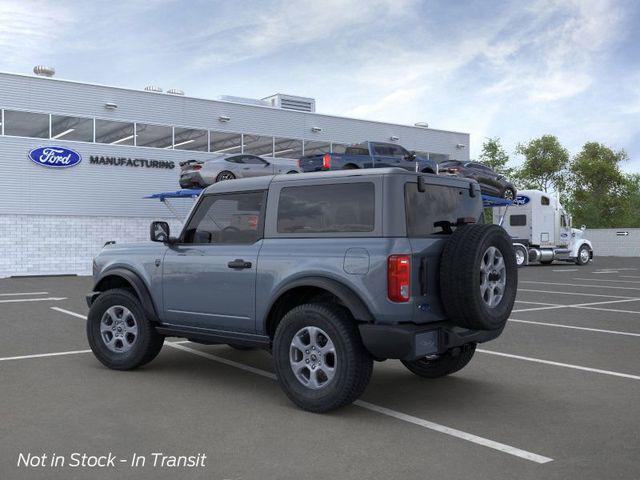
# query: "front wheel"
x,y
521,255
119,333
584,255
441,365
319,357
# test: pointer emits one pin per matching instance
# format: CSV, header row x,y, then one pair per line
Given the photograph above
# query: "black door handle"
x,y
239,264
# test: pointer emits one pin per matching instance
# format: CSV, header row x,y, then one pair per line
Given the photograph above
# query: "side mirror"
x,y
159,232
410,156
583,228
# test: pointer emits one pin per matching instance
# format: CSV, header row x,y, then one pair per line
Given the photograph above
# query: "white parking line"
x,y
609,309
581,285
48,299
629,276
62,310
533,457
539,303
27,293
390,413
485,442
42,355
574,327
559,364
606,280
535,309
575,293
567,270
588,306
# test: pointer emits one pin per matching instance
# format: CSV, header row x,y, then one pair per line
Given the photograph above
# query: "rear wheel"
x,y
440,365
119,333
225,175
319,357
509,194
350,167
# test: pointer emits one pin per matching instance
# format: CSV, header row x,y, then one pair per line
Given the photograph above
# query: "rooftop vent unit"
x,y
291,102
153,88
43,71
244,100
175,91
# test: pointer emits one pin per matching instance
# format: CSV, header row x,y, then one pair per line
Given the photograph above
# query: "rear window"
x,y
518,220
425,210
339,208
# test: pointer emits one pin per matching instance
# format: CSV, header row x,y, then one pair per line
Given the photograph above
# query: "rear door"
x,y
209,276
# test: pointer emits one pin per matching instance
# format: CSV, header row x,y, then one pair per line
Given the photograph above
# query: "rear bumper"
x,y
410,342
192,179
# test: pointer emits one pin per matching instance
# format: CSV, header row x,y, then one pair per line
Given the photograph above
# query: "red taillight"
x,y
453,170
398,276
326,161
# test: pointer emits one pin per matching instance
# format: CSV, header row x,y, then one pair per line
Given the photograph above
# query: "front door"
x,y
209,276
254,166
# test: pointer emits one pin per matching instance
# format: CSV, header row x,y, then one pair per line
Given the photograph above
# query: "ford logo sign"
x,y
521,200
55,157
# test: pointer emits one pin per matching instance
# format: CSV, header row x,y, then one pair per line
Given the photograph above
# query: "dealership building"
x,y
120,145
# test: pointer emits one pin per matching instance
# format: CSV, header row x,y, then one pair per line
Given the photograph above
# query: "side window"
x,y
563,221
253,160
544,200
518,220
383,150
237,159
227,219
398,151
339,208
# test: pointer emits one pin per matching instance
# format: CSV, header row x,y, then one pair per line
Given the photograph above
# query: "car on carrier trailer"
x,y
541,230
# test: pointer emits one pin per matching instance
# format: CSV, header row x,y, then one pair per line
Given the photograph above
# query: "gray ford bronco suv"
x,y
329,271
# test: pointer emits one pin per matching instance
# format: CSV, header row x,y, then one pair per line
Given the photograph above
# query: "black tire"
x,y
446,364
579,260
509,193
460,277
521,252
148,342
225,175
350,166
291,172
353,364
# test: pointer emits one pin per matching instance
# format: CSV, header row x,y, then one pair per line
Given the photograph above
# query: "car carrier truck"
x,y
541,230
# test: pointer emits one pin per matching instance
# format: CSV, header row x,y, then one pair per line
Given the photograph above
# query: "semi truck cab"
x,y
542,230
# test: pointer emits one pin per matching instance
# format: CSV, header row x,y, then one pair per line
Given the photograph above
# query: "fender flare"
x,y
347,296
138,285
580,243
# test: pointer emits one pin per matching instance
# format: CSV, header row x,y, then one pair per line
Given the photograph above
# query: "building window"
x,y
71,128
190,139
115,133
157,136
257,145
225,142
287,148
26,124
316,148
339,208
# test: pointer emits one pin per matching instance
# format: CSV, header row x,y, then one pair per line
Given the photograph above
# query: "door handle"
x,y
239,264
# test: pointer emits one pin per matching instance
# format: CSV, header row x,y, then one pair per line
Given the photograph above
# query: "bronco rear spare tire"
x,y
478,277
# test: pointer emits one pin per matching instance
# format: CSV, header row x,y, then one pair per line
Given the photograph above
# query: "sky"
x,y
509,69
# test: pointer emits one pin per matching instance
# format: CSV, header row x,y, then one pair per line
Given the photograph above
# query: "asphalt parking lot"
x,y
555,397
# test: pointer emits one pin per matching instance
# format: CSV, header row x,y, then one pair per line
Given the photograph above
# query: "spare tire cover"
x,y
478,277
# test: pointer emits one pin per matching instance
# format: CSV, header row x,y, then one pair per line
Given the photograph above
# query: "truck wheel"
x,y
319,357
119,333
478,277
521,254
446,364
584,255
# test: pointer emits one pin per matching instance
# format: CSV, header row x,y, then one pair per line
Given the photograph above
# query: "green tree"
x,y
545,164
600,195
494,156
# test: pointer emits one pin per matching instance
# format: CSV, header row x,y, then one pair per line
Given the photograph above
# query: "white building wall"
x,y
58,245
612,242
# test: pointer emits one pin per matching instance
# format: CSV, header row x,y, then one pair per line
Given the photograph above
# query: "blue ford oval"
x,y
55,157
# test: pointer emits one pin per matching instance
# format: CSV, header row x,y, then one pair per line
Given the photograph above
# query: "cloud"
x,y
30,29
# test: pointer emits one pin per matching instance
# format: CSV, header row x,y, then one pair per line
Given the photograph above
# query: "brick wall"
x,y
610,242
53,245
